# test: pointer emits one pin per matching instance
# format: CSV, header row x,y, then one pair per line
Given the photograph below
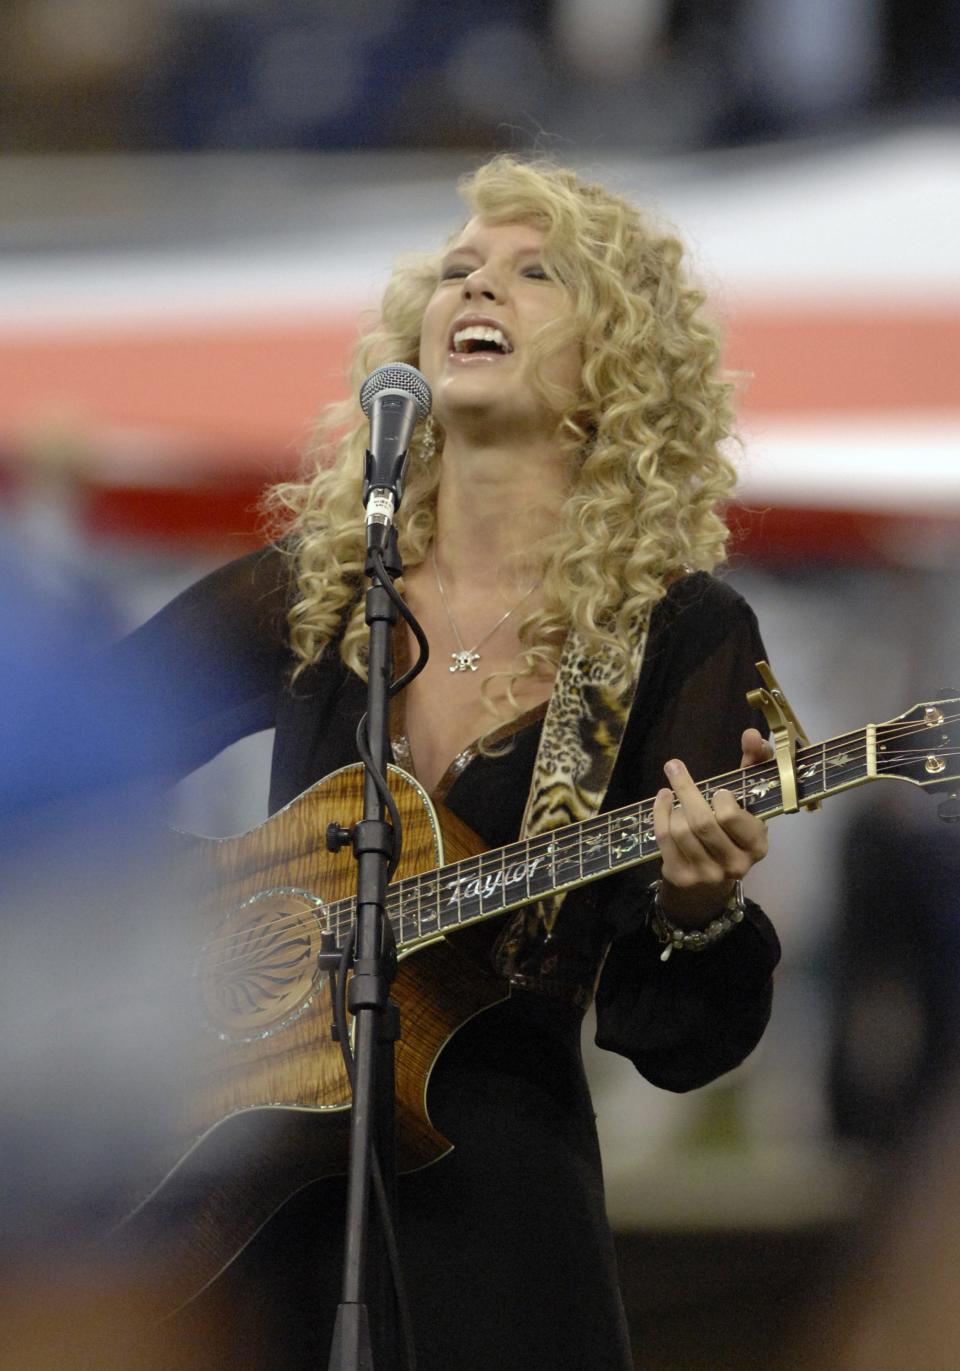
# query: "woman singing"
x,y
558,530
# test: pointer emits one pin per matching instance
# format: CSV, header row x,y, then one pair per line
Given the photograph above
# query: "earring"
x,y
428,440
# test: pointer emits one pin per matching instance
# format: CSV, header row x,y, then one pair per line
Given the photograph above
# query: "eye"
x,y
454,273
536,273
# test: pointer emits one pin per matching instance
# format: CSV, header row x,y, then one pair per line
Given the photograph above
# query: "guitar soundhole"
x,y
259,972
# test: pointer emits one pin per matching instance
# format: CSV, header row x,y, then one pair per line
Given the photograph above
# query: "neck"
x,y
494,504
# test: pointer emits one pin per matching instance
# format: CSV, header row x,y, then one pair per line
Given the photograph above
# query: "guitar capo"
x,y
787,733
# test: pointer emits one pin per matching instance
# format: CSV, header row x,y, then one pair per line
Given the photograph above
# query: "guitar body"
x,y
255,1100
261,1105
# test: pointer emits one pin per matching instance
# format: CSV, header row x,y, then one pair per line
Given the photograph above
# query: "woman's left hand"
x,y
705,847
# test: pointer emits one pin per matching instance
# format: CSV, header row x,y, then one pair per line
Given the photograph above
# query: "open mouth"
x,y
480,338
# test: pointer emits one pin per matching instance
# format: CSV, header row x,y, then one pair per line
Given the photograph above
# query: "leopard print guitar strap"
x,y
582,733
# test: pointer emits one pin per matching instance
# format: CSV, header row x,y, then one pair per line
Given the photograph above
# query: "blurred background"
x,y
199,199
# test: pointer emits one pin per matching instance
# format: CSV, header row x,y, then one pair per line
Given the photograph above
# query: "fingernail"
x,y
672,768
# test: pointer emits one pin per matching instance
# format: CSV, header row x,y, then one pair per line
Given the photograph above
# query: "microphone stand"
x,y
376,1017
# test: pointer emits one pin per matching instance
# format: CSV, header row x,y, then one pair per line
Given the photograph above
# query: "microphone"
x,y
393,398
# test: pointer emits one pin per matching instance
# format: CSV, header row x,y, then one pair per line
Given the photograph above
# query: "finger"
x,y
684,864
695,827
713,842
685,788
662,824
679,848
755,748
745,831
703,864
712,859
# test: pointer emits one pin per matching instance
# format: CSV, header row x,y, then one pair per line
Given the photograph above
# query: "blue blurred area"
x,y
327,74
57,738
77,871
83,722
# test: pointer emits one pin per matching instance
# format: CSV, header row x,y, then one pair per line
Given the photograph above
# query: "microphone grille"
x,y
396,376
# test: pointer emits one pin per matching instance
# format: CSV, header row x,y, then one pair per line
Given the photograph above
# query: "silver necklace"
x,y
466,658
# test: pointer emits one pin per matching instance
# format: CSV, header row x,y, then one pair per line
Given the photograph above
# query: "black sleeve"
x,y
685,1021
204,672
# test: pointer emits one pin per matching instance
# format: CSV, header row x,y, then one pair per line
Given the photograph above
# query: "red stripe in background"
x,y
258,384
224,516
827,361
220,410
245,389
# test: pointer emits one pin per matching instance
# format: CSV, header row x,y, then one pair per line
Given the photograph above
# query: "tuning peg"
x,y
949,809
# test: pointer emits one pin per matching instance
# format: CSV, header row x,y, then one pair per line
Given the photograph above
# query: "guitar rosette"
x,y
259,972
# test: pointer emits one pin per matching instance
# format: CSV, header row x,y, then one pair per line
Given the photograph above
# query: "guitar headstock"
x,y
922,745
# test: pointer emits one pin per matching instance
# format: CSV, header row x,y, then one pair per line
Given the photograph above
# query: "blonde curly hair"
x,y
644,433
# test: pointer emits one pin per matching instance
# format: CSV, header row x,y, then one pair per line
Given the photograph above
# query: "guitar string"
x,y
533,847
568,842
571,852
569,849
571,856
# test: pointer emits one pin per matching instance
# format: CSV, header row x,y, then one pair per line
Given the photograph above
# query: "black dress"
x,y
506,1247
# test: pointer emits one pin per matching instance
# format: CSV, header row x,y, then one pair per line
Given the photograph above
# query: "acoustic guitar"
x,y
262,1102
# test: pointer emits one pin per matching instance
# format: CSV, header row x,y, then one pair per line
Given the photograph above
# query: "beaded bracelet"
x,y
697,939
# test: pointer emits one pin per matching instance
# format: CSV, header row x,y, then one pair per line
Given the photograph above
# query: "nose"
x,y
483,283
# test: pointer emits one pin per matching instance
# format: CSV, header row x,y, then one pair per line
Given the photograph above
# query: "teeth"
x,y
479,333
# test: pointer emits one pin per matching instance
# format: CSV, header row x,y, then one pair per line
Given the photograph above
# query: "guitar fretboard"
x,y
427,905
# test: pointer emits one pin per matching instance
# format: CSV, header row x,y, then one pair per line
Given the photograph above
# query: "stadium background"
x,y
198,201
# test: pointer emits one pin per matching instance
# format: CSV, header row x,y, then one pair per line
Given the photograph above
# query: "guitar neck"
x,y
480,887
425,906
